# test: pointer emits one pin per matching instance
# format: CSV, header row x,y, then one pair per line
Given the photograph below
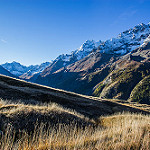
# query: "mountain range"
x,y
118,68
22,71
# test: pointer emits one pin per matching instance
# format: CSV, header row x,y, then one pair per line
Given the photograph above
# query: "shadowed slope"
x,y
15,90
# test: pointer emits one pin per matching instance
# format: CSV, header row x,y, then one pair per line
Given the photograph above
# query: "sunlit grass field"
x,y
121,131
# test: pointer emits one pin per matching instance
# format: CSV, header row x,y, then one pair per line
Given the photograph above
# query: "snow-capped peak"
x,y
17,69
88,45
86,48
127,40
81,52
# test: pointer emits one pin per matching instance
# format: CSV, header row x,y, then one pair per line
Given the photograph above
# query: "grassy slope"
x,y
126,76
15,90
117,132
120,83
67,120
141,92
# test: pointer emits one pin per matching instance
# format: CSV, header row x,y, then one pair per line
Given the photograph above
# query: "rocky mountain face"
x,y
74,77
67,59
24,72
107,75
129,77
126,41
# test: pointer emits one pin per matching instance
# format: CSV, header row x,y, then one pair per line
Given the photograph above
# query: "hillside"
x,y
44,118
126,76
120,131
18,90
141,92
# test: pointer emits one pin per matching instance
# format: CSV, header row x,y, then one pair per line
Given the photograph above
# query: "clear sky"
x,y
35,31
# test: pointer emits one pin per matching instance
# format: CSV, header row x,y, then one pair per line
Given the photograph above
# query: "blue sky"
x,y
35,31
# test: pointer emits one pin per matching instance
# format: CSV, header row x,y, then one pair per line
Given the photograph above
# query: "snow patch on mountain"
x,y
147,40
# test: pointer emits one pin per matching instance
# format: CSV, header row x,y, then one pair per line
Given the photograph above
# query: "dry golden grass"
x,y
116,132
69,122
144,107
24,116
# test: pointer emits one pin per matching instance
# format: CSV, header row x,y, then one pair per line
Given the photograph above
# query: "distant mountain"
x,y
86,75
34,71
5,72
17,69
